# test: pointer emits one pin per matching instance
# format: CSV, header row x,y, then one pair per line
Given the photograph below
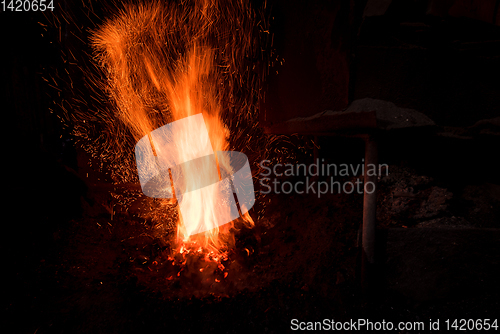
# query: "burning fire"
x,y
165,62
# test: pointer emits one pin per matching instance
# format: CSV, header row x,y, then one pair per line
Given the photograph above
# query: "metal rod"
x,y
369,212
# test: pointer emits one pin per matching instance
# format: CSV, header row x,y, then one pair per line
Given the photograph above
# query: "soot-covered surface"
x,y
94,274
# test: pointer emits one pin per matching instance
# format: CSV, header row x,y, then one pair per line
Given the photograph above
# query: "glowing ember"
x,y
166,62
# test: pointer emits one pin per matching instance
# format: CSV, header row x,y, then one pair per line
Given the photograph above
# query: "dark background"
x,y
440,58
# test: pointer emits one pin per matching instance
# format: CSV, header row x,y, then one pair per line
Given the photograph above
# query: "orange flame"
x,y
164,62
